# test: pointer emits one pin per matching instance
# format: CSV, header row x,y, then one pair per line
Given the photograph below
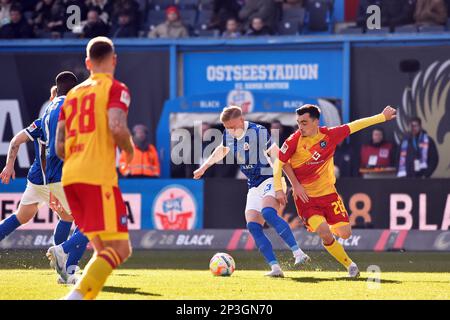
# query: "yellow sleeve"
x,y
365,122
277,174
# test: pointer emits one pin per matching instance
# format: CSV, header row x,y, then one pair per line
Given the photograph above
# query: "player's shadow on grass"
x,y
317,280
123,290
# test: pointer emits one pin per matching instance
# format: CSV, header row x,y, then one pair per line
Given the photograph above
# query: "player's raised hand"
x,y
298,191
7,173
281,197
389,113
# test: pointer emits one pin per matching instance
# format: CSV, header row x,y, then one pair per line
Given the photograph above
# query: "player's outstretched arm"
x,y
60,139
117,120
218,154
388,113
14,145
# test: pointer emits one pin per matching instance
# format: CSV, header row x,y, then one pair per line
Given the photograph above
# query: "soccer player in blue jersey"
x,y
251,147
65,254
36,193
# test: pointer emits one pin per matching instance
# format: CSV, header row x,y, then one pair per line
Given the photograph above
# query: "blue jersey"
x,y
249,152
34,132
53,166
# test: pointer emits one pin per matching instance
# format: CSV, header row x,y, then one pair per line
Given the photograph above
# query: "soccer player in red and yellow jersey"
x,y
307,158
93,121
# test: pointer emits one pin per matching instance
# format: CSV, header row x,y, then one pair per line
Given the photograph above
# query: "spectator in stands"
x,y
379,153
396,13
418,153
264,9
124,27
129,6
103,7
49,17
232,29
94,26
258,28
430,12
223,11
145,162
18,28
172,27
345,162
277,131
5,7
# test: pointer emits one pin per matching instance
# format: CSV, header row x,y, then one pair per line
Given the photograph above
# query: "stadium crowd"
x,y
212,18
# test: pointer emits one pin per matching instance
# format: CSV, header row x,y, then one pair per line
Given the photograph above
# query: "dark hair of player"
x,y
312,110
65,81
99,48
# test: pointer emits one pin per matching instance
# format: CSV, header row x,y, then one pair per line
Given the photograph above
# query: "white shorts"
x,y
255,195
35,194
58,191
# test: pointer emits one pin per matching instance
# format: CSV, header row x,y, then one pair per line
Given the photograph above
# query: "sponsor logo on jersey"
x,y
174,208
316,155
125,97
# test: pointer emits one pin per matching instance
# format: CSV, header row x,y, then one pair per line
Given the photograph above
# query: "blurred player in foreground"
x,y
307,158
93,121
250,144
37,192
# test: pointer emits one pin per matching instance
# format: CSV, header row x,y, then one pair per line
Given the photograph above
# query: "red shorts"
x,y
98,210
331,207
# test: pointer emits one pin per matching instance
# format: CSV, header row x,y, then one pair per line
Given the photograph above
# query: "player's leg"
x,y
104,220
255,224
269,213
24,214
345,232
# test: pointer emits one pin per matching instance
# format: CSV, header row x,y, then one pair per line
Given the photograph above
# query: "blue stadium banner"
x,y
151,204
311,73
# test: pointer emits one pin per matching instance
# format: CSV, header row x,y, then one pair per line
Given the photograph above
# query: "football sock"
x,y
280,226
61,232
338,252
262,242
8,225
75,247
96,272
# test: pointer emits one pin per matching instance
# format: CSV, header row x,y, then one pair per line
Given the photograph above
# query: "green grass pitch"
x,y
185,275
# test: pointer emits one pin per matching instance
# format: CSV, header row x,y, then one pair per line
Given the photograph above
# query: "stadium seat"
x,y
406,29
206,4
188,4
161,4
155,17
70,35
318,16
204,16
431,29
382,30
293,13
189,17
288,27
208,33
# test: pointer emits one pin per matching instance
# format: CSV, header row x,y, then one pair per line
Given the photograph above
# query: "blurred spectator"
x,y
277,131
94,26
171,28
379,153
5,7
103,7
18,27
232,29
223,11
291,4
124,28
396,13
258,28
49,16
145,163
430,12
345,162
264,9
418,153
27,5
129,6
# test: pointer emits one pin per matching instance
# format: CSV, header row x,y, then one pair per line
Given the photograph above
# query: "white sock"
x,y
74,295
298,252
